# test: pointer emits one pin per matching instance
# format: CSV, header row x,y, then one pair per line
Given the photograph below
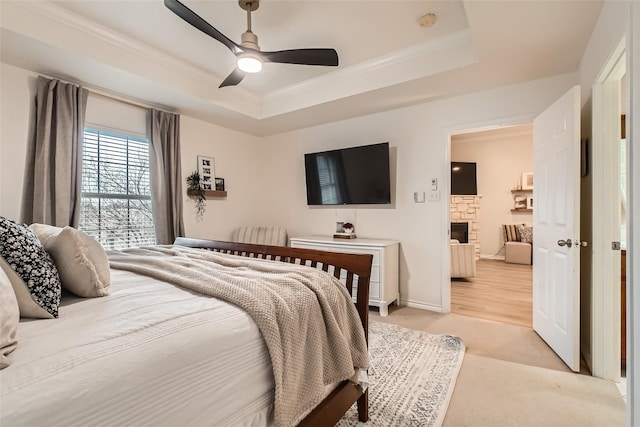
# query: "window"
x,y
116,191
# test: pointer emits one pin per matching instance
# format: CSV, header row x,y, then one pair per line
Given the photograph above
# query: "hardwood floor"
x,y
499,291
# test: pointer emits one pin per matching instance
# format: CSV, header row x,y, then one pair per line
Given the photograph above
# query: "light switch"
x,y
434,184
434,196
418,197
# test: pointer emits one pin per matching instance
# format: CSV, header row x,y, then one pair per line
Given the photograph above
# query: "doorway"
x,y
499,291
609,105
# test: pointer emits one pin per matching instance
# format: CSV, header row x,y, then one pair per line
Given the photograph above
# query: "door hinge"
x,y
615,246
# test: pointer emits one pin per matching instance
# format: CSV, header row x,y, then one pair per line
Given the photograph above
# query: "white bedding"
x,y
126,358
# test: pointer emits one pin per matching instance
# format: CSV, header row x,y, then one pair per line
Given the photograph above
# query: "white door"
x,y
556,227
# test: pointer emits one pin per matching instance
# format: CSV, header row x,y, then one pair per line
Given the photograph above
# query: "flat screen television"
x,y
349,176
463,178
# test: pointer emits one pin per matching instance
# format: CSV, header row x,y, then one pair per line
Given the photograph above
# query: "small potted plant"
x,y
194,187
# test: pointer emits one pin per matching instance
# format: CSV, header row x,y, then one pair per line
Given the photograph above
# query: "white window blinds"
x,y
116,192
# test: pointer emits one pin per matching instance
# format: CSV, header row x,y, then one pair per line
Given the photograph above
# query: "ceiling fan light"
x,y
249,63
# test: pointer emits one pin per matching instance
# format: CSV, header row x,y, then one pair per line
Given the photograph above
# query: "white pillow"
x,y
81,261
9,319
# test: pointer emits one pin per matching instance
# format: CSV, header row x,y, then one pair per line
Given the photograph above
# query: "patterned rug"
x,y
412,377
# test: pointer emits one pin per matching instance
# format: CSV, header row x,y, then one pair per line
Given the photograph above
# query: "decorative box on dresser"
x,y
383,285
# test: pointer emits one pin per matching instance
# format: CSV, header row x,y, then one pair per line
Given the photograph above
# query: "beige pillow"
x,y
28,307
9,319
81,261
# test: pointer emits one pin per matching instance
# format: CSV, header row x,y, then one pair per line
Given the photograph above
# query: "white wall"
x,y
610,28
419,139
265,176
501,157
17,87
238,157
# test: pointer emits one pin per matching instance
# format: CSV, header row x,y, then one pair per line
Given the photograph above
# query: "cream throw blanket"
x,y
306,316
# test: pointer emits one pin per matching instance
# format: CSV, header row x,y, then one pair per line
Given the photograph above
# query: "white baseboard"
x,y
422,306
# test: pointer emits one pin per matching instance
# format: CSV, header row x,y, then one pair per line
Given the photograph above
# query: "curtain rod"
x,y
110,95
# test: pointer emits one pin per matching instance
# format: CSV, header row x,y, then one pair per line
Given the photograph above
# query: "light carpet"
x,y
412,377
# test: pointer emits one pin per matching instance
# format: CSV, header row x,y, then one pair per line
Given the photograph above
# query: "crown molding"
x,y
413,62
382,62
53,25
22,17
95,30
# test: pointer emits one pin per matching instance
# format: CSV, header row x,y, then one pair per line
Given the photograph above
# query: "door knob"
x,y
568,243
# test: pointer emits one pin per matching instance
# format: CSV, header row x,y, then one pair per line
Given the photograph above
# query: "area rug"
x,y
412,377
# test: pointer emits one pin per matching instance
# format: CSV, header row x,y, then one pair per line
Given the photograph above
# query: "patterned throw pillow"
x,y
37,276
526,234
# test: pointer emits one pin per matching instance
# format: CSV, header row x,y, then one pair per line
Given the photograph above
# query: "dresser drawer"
x,y
375,276
374,290
337,248
383,283
364,251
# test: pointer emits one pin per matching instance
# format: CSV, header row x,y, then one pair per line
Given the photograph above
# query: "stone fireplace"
x,y
466,210
460,231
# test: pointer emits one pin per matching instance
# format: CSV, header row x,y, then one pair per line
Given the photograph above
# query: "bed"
x,y
152,353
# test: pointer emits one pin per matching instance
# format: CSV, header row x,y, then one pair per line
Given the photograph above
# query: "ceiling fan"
x,y
250,57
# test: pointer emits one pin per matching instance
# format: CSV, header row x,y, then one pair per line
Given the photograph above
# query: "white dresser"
x,y
383,288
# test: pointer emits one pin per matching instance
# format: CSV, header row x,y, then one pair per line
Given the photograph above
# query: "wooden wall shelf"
x,y
208,193
522,200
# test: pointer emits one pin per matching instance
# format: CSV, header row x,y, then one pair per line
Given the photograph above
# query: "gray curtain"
x,y
166,176
53,174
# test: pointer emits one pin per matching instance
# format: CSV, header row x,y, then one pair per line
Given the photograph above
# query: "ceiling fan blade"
x,y
328,57
192,18
233,79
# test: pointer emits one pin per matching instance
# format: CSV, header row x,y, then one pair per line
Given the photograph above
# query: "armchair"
x,y
518,240
463,260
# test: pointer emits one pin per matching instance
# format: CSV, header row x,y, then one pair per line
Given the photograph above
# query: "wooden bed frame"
x,y
333,407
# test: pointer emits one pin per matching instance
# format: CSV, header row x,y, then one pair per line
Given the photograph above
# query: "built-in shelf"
x,y
522,200
208,193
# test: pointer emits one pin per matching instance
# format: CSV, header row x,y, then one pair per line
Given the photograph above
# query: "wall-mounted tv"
x,y
463,178
349,176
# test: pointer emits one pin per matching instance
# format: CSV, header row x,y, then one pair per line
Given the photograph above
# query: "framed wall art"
x,y
207,172
527,181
